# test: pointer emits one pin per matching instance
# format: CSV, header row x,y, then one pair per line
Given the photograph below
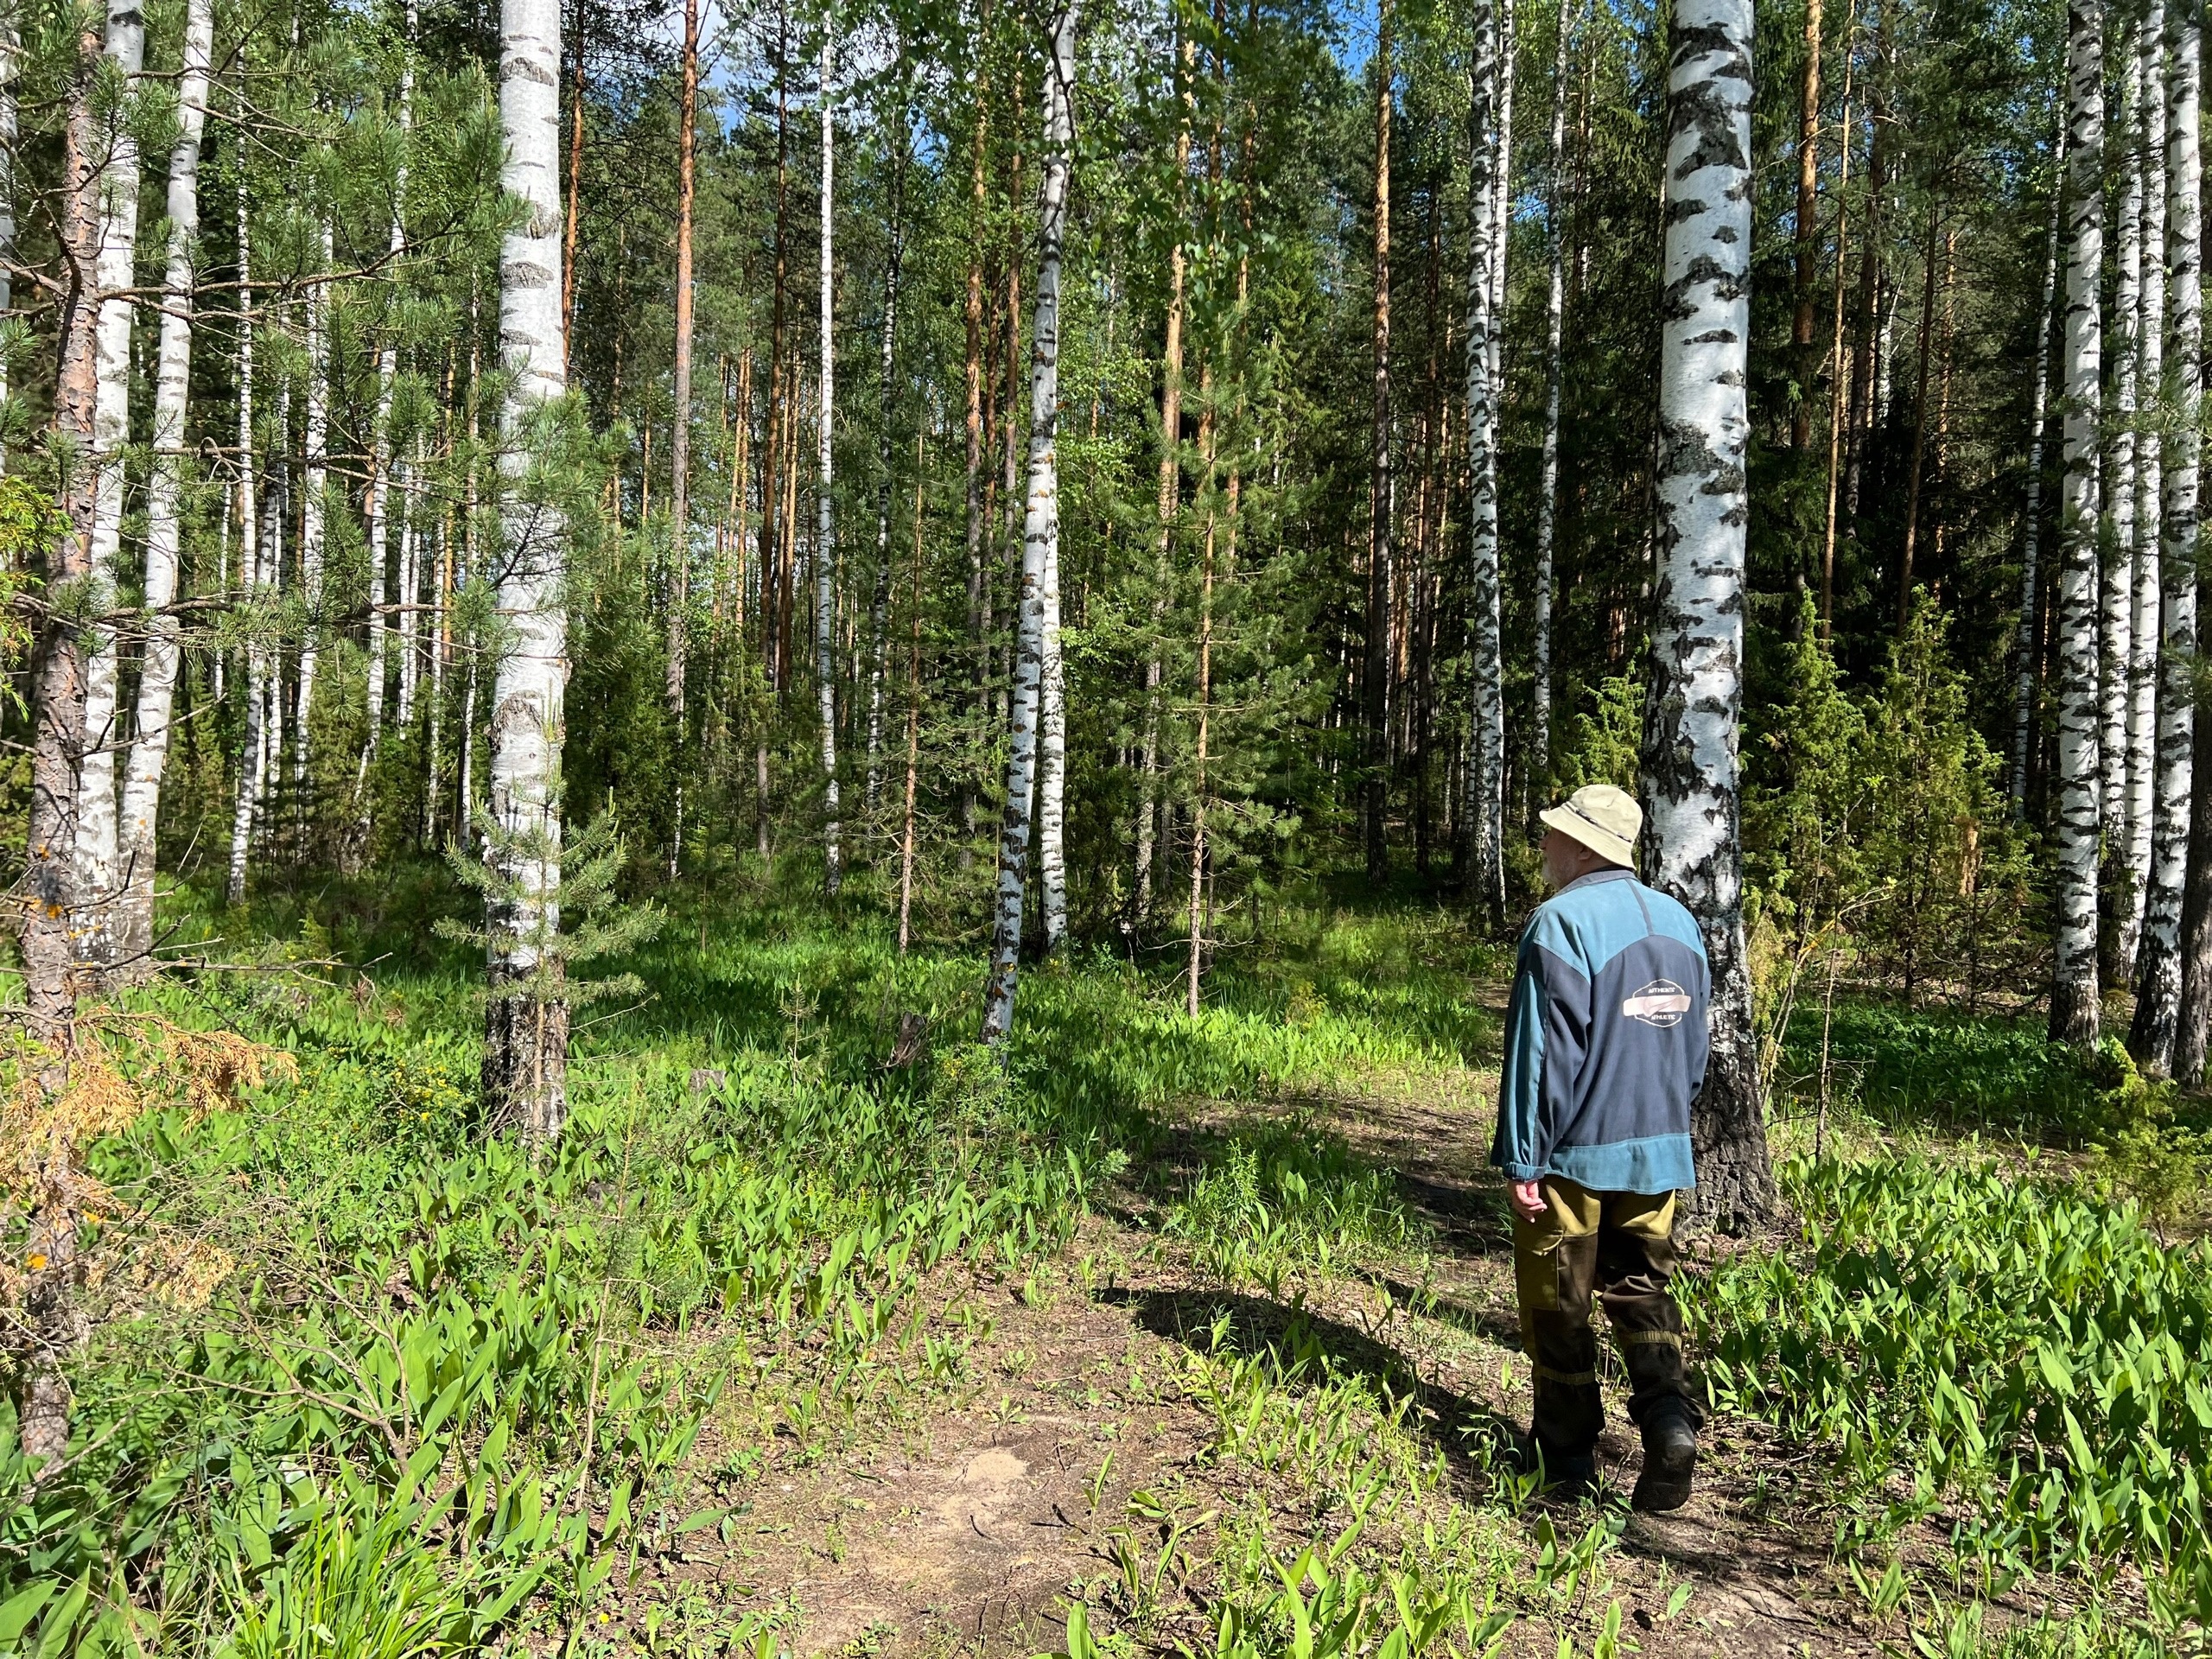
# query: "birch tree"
x,y
253,771
98,876
1485,783
314,478
383,463
887,391
1692,844
679,441
2145,554
526,1020
2023,684
2117,622
2074,1010
2158,1000
150,747
825,544
1040,528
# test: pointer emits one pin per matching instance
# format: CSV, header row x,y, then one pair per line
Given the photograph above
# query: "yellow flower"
x,y
426,1117
36,1260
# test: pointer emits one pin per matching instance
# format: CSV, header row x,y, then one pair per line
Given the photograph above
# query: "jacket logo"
x,y
1661,1003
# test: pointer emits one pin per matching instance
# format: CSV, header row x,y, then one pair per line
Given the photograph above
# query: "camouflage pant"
x,y
1621,1247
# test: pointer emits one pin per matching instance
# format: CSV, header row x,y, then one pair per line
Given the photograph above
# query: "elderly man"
x,y
1606,1045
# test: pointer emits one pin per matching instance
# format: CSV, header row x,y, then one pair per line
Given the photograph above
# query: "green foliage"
x,y
2029,1358
587,926
1608,742
1286,1204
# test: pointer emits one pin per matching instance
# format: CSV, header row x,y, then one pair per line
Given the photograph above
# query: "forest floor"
x,y
1162,1336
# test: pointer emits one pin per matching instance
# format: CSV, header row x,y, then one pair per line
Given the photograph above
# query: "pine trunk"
x,y
1540,712
2074,999
51,1324
2159,996
526,1022
149,749
1808,234
1692,844
1170,501
1041,529
1375,673
679,448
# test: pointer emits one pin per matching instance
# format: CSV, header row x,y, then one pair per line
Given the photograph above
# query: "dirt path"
x,y
962,1518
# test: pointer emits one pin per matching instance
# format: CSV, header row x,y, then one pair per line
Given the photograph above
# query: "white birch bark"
x,y
825,545
879,605
2157,1002
411,590
1052,766
98,872
314,483
2073,1009
2116,623
1485,785
526,1046
253,763
252,776
382,462
149,748
1539,714
1692,843
1041,529
2024,686
2145,554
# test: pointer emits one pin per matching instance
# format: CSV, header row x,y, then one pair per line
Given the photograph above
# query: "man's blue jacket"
x,y
1605,1040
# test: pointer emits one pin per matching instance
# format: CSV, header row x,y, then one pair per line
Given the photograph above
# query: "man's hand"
x,y
1528,1200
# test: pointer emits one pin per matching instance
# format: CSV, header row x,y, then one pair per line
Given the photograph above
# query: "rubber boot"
x,y
1669,1459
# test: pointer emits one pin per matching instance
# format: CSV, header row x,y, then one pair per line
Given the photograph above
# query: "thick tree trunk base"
x,y
2074,1010
1736,1190
525,1077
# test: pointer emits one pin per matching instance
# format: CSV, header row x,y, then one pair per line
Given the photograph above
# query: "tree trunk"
x,y
2194,1015
679,448
2073,1002
2024,688
1540,712
2159,995
1919,422
526,1022
825,546
913,710
57,676
1485,797
2144,554
382,459
314,504
1041,528
886,397
1808,234
253,773
99,877
2116,623
1171,491
1692,844
11,50
1375,677
1840,413
157,678
978,616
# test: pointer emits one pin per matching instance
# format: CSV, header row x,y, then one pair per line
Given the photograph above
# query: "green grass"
x,y
343,1337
